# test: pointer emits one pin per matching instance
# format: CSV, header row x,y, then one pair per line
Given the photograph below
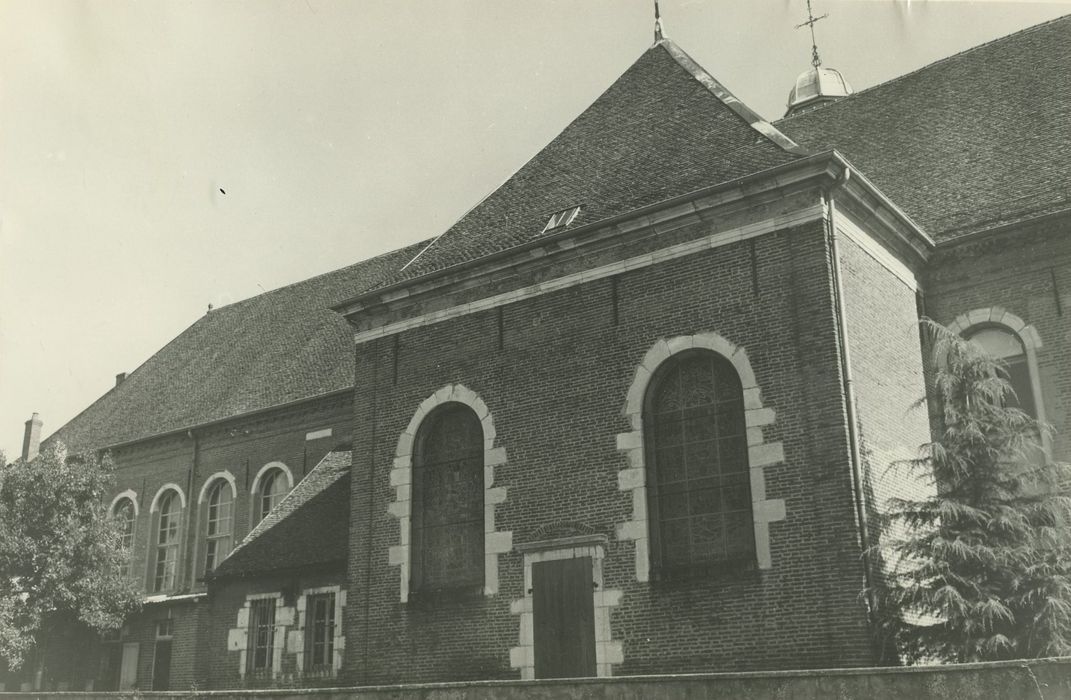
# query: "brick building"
x,y
631,414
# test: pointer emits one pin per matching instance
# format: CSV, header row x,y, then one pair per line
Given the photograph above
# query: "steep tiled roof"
x,y
973,141
275,348
664,128
309,527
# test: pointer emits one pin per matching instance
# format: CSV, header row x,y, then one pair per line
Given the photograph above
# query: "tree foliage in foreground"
x,y
60,553
983,563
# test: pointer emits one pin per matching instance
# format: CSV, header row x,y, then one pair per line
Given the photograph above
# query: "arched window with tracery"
x,y
1006,346
125,515
273,486
447,518
699,487
219,518
168,527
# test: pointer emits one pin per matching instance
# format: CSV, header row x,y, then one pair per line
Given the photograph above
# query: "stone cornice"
x,y
569,248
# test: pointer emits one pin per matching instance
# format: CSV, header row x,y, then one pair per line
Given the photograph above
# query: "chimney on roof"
x,y
31,439
120,378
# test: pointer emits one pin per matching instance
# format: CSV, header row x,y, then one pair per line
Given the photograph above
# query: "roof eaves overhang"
x,y
282,570
173,598
876,209
826,168
1016,225
187,430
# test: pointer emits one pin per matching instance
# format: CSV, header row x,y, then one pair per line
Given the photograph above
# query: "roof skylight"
x,y
561,219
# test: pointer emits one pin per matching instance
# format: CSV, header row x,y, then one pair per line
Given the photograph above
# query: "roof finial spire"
x,y
811,20
658,23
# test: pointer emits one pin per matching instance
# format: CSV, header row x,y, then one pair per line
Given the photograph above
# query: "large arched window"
x,y
1006,346
699,488
448,527
125,514
168,526
219,518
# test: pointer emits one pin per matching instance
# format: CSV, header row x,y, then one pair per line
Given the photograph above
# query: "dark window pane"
x,y
320,630
668,394
699,423
709,537
732,454
676,542
702,459
670,465
730,418
261,635
705,501
1019,378
668,431
673,505
697,463
448,529
736,493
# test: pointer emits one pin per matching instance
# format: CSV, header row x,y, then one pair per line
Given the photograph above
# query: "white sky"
x,y
339,130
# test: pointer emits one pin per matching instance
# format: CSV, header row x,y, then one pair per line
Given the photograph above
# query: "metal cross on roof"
x,y
811,20
657,24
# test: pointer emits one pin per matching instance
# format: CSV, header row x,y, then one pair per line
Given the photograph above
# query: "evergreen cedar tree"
x,y
983,565
60,555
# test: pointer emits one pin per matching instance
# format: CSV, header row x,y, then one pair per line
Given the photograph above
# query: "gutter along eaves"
x,y
219,421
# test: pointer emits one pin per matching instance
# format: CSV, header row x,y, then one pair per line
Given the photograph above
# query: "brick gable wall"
x,y
554,371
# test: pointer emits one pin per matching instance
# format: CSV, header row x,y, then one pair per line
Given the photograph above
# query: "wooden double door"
x,y
563,613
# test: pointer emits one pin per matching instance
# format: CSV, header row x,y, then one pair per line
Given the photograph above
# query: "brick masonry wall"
x,y
221,665
241,447
1027,271
141,628
884,345
556,389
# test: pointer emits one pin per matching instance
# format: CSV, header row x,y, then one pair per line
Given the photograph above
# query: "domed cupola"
x,y
816,86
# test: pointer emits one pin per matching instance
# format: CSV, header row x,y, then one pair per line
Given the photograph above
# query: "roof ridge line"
x,y
969,49
726,97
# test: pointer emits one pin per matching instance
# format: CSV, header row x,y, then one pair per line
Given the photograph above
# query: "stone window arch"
x,y
761,454
167,510
698,483
409,447
1007,337
447,515
271,484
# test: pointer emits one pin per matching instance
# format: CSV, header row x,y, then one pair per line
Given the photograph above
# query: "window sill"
x,y
445,597
721,573
318,672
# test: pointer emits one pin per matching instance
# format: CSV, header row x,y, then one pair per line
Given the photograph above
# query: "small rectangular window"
x,y
320,631
165,629
561,219
261,635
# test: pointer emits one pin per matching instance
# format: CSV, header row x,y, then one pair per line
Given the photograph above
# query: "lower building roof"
x,y
309,528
